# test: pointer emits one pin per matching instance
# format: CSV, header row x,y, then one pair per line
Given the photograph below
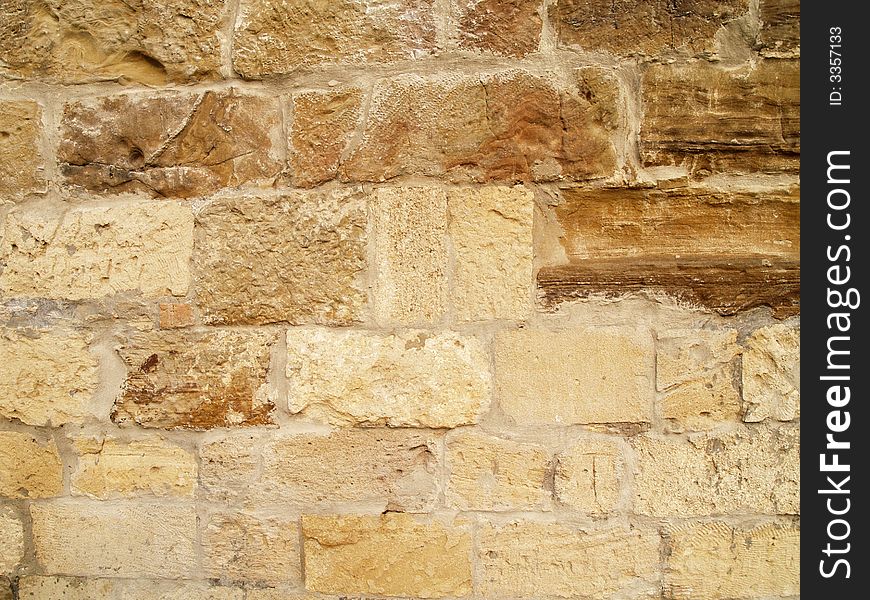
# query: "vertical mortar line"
x,y
630,79
548,43
444,25
287,114
371,281
449,318
231,13
52,112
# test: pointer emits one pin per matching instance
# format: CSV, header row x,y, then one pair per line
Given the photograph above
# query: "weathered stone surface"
x,y
382,468
31,467
274,38
426,559
491,231
503,27
600,375
6,588
780,34
644,27
771,374
324,122
20,160
174,315
716,561
410,245
47,379
615,222
109,468
139,41
589,475
711,120
175,144
117,540
412,378
298,258
196,380
727,287
244,548
11,539
746,471
508,126
95,251
531,560
698,372
490,473
76,588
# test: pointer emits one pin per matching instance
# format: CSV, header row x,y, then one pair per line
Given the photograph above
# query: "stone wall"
x,y
318,299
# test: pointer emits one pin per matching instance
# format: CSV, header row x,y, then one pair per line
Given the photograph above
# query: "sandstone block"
x,y
95,251
145,41
109,468
173,316
710,120
175,144
117,540
31,468
383,468
644,27
20,161
410,240
703,403
426,559
46,380
684,355
589,475
411,379
11,540
601,375
771,374
491,231
533,560
506,28
324,122
742,472
780,34
79,588
298,258
195,380
490,473
275,38
716,561
509,126
244,548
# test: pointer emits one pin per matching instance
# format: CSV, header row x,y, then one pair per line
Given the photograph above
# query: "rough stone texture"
x,y
21,168
139,41
296,258
711,120
425,559
173,316
716,561
644,27
589,475
597,375
11,540
771,374
74,588
747,471
5,588
410,245
502,27
31,467
95,251
533,560
244,548
275,38
698,372
109,468
780,34
324,122
47,379
175,144
687,221
412,378
507,126
386,469
117,540
490,473
196,380
491,232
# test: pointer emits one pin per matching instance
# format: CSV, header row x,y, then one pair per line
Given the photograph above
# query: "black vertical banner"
x,y
835,346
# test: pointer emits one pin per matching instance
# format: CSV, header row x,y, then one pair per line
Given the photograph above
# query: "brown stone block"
x,y
503,27
780,33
